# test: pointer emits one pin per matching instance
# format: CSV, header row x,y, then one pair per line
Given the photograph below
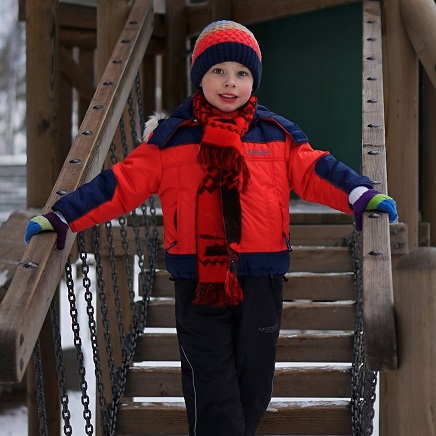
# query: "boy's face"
x,y
227,85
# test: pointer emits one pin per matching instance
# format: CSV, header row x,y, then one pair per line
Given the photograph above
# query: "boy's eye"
x,y
242,73
218,71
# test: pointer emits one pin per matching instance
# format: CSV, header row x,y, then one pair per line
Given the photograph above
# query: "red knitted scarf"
x,y
218,206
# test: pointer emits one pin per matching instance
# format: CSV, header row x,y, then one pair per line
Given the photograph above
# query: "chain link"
x,y
40,397
60,366
363,382
89,430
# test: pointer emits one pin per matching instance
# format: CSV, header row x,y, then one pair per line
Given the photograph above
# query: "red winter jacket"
x,y
279,158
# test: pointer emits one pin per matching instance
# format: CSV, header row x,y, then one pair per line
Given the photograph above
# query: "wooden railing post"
x,y
400,72
378,301
408,395
44,161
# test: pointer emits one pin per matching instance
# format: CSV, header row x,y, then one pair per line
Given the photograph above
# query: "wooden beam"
x,y
258,11
419,17
75,76
378,301
408,395
42,100
42,265
429,153
400,72
174,86
78,17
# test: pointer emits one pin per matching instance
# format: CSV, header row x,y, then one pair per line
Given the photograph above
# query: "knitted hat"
x,y
224,41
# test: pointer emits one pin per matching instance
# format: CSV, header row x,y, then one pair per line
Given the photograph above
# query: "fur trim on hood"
x,y
152,122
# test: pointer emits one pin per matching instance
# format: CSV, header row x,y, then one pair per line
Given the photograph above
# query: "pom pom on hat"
x,y
224,41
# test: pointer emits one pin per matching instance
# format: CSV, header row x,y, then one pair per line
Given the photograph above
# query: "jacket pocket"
x,y
275,217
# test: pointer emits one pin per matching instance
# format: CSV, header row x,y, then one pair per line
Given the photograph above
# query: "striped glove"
x,y
48,222
374,200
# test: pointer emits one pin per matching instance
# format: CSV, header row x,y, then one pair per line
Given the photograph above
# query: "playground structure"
x,y
393,264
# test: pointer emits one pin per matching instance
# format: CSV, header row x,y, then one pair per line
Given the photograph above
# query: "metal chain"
x,y
40,397
140,107
89,430
133,126
106,416
364,382
60,366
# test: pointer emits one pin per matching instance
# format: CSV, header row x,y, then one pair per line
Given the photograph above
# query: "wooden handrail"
x,y
419,18
378,300
28,299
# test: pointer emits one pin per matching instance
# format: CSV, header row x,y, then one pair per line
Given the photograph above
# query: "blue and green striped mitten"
x,y
47,222
374,200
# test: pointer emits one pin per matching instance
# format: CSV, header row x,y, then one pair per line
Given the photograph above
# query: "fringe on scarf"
x,y
228,293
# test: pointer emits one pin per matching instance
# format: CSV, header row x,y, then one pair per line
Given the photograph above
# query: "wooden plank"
x,y
321,259
42,101
42,265
174,86
419,18
401,79
291,382
408,395
319,286
302,418
12,246
74,74
78,17
299,286
314,346
199,15
293,346
258,11
301,235
300,315
378,303
429,151
78,38
320,235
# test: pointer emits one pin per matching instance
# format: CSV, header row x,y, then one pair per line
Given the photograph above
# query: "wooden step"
x,y
292,346
321,259
301,381
330,286
282,418
314,350
302,315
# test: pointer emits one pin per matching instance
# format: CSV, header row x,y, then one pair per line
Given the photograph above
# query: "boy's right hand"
x,y
47,222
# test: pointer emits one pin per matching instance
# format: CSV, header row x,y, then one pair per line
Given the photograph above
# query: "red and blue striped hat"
x,y
224,41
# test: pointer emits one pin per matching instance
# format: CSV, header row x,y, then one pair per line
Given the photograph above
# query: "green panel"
x,y
312,76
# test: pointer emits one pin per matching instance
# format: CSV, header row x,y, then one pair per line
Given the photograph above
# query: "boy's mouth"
x,y
228,96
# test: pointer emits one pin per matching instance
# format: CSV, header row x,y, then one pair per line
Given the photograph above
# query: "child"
x,y
224,168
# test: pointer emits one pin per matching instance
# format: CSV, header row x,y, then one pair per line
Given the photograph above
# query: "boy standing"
x,y
224,167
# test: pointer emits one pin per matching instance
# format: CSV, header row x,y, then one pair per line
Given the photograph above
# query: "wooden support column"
x,y
174,86
408,395
429,154
42,99
44,161
401,115
419,17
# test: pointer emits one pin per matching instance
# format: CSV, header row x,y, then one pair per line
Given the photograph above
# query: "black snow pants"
x,y
228,356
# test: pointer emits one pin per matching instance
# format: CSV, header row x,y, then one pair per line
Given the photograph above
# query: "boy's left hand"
x,y
374,200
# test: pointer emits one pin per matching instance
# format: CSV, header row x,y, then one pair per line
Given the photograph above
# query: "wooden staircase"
x,y
312,385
